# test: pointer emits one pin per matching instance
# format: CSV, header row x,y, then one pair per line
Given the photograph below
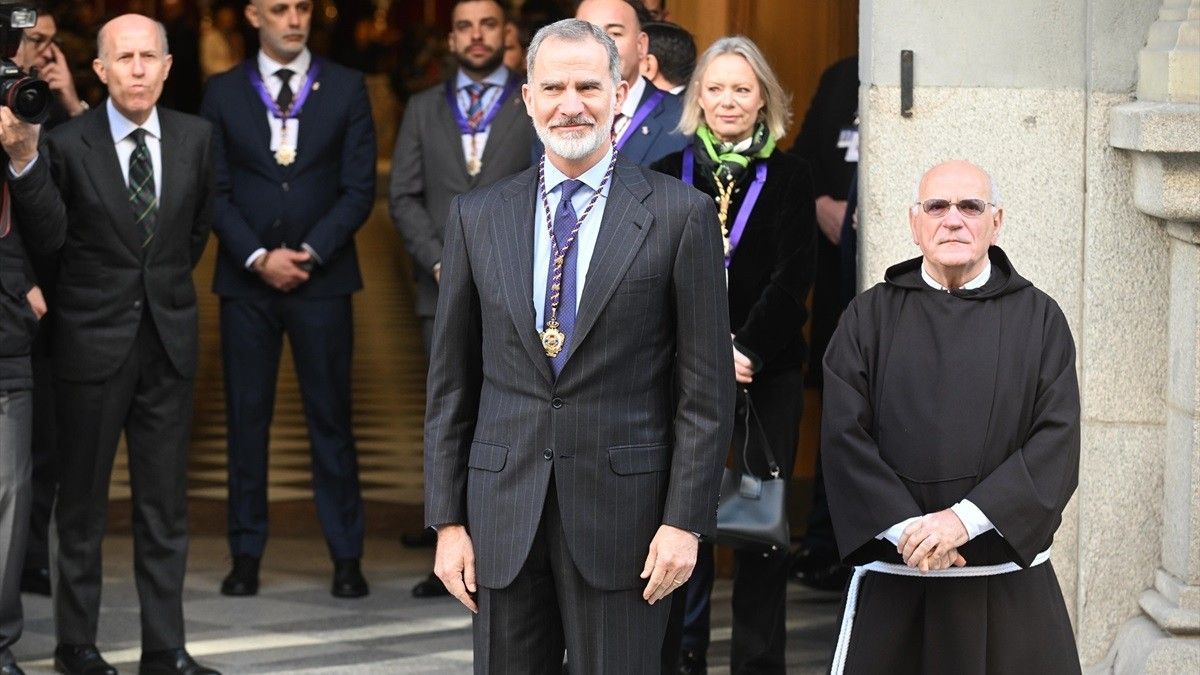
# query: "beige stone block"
x,y
1181,498
1123,334
1120,497
1029,139
1183,385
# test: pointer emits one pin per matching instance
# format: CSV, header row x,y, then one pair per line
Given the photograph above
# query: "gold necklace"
x,y
724,196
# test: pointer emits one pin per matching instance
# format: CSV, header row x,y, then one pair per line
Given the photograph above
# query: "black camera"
x,y
27,96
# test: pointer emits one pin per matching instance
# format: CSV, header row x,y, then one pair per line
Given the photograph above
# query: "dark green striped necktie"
x,y
142,197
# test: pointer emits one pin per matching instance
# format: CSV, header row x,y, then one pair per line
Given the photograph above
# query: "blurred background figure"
x,y
828,141
671,56
221,44
182,89
733,112
657,9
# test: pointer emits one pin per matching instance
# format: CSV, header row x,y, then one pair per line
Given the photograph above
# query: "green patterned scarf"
x,y
719,157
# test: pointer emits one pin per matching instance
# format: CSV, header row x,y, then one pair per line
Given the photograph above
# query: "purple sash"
x,y
643,111
463,124
293,110
743,216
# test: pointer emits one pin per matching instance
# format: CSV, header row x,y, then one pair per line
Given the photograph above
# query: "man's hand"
x,y
932,536
830,214
743,368
56,74
18,138
37,301
669,563
454,564
281,268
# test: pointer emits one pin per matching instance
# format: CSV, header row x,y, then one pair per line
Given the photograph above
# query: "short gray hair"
x,y
777,103
576,30
162,37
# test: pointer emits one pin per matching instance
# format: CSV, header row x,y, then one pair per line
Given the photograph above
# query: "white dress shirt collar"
x,y
633,97
269,66
121,126
591,178
979,280
497,78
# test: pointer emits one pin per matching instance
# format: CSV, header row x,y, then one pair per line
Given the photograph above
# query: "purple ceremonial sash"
x,y
463,124
643,111
743,216
293,110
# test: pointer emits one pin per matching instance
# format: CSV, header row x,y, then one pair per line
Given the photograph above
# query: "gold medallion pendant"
x,y
553,339
285,155
474,166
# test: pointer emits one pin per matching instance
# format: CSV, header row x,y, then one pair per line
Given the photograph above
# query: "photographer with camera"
x,y
30,214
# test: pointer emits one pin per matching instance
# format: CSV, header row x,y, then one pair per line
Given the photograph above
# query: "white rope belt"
x,y
843,642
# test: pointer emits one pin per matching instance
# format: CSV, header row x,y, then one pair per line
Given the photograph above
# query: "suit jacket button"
x,y
548,454
285,186
137,304
556,402
277,223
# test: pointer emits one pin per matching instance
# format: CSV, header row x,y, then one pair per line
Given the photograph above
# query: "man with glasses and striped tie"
x,y
465,133
136,180
950,443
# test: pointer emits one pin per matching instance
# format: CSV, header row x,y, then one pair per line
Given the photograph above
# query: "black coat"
x,y
772,268
106,276
39,222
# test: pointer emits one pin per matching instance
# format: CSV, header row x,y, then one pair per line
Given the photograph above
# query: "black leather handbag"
x,y
752,512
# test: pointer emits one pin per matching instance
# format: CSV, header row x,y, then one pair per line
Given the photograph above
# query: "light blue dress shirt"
x,y
585,241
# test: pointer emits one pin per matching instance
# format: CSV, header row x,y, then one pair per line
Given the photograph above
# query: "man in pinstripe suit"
x,y
580,392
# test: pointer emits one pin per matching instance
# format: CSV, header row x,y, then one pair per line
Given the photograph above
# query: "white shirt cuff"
x,y
258,253
12,172
972,518
894,532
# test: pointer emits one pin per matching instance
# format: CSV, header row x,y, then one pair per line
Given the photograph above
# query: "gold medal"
x,y
474,166
285,154
553,339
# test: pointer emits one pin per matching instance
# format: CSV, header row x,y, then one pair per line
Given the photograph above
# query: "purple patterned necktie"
x,y
565,222
475,92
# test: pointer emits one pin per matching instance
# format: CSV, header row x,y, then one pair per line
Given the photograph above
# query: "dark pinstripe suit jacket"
x,y
636,427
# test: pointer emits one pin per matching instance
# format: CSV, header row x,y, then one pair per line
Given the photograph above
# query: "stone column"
x,y
1162,132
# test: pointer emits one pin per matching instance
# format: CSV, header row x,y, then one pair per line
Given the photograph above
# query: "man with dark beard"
x,y
468,132
580,398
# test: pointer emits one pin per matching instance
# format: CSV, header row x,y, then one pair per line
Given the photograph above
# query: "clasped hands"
x,y
669,563
282,268
931,542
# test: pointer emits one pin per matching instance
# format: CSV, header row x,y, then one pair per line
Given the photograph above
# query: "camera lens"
x,y
28,98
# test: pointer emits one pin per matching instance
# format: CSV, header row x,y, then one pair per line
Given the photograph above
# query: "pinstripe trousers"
x,y
523,629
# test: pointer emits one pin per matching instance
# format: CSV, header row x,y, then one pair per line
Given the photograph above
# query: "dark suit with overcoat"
x,y
562,482
320,201
126,347
429,170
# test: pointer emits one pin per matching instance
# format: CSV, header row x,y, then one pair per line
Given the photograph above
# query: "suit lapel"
x,y
257,114
444,121
512,235
175,169
104,170
311,121
623,228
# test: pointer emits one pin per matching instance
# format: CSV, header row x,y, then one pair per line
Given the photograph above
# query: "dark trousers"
x,y
549,607
320,331
152,403
760,575
44,454
15,413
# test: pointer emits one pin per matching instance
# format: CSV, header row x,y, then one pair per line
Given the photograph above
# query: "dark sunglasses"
x,y
968,207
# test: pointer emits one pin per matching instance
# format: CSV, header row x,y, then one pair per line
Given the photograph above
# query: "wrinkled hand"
x,y
282,271
830,214
19,139
743,368
37,301
454,564
932,537
670,562
56,74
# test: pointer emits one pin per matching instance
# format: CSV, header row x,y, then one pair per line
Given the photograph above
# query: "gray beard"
x,y
578,147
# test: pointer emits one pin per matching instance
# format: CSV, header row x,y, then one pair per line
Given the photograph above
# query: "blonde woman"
x,y
734,111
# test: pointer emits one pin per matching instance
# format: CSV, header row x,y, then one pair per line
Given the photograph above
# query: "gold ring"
x,y
678,581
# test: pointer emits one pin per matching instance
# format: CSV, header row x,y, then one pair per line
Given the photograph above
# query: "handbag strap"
x,y
772,465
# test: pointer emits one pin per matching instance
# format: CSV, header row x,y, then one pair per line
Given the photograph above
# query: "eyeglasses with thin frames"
x,y
971,208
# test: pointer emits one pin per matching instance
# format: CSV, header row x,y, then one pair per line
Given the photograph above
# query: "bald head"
x,y
954,220
956,167
127,23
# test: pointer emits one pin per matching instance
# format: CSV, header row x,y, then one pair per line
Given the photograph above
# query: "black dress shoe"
x,y
348,581
243,578
35,580
430,587
171,662
81,660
